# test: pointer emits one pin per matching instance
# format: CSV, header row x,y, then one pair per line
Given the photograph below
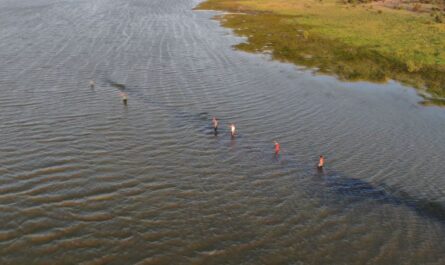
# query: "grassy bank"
x,y
355,42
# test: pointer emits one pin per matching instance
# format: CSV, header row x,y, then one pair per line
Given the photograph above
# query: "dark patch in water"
x,y
119,86
204,116
357,190
182,116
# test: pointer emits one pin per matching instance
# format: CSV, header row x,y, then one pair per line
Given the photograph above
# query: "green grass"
x,y
354,43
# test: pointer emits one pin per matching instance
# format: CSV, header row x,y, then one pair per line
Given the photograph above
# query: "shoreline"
x,y
291,36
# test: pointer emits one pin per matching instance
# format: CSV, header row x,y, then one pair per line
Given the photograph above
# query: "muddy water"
x,y
87,180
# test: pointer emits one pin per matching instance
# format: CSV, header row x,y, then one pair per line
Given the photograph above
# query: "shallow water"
x,y
87,180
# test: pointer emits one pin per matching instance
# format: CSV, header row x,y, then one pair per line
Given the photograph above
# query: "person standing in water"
x,y
321,162
232,130
215,125
277,148
124,98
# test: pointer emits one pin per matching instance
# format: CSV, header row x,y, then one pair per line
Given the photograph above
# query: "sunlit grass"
x,y
355,43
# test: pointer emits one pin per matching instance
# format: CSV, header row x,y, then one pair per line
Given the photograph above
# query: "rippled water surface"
x,y
87,180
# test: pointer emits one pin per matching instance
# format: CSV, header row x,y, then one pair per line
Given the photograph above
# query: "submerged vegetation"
x,y
368,41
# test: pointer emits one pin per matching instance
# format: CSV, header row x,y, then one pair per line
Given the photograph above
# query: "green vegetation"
x,y
355,42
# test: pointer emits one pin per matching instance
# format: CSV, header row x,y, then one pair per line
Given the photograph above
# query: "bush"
x,y
412,67
417,7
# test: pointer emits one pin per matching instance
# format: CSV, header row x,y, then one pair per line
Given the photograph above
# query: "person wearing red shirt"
x,y
321,162
277,148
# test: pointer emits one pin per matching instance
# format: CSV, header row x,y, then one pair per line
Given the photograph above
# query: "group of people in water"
x,y
277,146
215,124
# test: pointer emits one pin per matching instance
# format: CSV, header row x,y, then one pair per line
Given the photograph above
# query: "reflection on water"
x,y
87,180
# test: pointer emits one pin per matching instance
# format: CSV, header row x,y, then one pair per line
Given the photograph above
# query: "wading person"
x,y
124,98
215,125
277,148
320,162
232,130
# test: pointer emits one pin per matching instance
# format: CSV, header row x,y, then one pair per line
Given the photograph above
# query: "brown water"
x,y
86,180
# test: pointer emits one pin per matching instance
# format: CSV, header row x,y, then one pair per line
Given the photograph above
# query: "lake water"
x,y
87,180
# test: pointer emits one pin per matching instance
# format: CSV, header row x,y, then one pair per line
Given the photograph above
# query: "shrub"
x,y
412,67
417,7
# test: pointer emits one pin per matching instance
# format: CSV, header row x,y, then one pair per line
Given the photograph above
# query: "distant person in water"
x,y
92,83
232,130
215,125
321,162
277,148
124,98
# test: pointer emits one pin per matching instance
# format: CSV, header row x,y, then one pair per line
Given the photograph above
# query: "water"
x,y
87,180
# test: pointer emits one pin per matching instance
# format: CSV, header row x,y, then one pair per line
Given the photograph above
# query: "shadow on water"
x,y
355,190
